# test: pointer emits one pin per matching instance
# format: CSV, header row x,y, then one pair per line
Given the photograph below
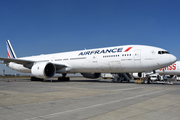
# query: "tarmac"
x,y
87,99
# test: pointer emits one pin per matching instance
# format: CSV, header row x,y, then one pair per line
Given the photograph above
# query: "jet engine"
x,y
43,70
91,75
138,75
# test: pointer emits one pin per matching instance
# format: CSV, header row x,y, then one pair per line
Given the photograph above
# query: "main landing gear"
x,y
63,78
147,80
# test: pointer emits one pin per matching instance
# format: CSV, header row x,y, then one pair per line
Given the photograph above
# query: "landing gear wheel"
x,y
59,78
68,79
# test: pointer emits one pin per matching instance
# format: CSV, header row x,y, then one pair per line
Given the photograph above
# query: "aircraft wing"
x,y
18,61
27,63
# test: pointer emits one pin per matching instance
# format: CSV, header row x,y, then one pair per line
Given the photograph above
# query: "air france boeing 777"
x,y
91,63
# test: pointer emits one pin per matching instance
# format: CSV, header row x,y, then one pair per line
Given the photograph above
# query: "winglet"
x,y
10,50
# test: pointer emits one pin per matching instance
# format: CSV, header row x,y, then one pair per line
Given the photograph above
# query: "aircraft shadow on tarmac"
x,y
109,81
95,80
88,80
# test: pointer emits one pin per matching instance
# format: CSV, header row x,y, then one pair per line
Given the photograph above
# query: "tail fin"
x,y
10,50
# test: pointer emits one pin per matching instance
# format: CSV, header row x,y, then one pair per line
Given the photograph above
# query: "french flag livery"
x,y
127,49
10,50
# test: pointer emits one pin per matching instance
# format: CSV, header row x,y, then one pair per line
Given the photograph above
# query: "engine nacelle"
x,y
139,75
91,75
43,70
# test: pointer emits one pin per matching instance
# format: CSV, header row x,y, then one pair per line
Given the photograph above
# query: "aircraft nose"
x,y
173,59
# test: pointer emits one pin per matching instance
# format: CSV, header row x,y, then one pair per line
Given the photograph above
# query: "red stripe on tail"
x,y
8,54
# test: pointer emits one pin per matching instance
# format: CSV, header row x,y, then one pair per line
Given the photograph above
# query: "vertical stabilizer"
x,y
10,50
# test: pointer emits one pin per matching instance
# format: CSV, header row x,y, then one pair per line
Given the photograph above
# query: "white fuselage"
x,y
118,59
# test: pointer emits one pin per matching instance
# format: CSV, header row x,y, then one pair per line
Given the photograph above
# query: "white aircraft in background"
x,y
173,69
91,63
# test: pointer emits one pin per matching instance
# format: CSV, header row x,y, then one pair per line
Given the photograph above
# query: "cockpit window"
x,y
167,52
163,52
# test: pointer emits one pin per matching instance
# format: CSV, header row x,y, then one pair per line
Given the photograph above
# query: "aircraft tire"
x,y
59,78
67,79
63,79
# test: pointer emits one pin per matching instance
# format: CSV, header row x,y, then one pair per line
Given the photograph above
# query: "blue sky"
x,y
50,26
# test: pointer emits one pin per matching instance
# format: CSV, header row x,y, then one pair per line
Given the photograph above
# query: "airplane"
x,y
90,63
173,69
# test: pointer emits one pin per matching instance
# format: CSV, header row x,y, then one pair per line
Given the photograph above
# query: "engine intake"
x,y
43,70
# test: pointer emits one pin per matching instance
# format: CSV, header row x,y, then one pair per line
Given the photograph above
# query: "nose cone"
x,y
173,59
166,60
